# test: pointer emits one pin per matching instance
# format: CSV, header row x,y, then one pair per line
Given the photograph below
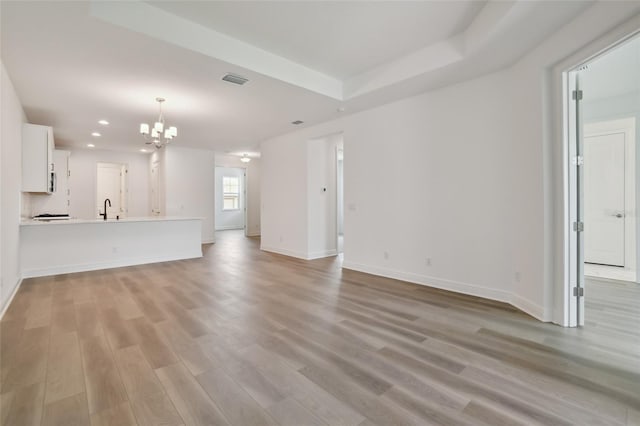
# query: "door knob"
x,y
618,215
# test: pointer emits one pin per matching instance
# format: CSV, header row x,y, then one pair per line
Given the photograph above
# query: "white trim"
x,y
83,267
285,252
321,254
524,305
229,228
208,241
10,299
254,234
529,307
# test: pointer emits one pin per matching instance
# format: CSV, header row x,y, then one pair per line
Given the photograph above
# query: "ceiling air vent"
x,y
297,122
235,79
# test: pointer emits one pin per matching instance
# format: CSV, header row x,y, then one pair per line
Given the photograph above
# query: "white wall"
x,y
82,182
284,195
253,184
11,119
229,219
469,177
189,181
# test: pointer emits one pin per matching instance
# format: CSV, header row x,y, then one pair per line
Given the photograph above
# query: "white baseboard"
x,y
459,287
285,252
10,299
229,228
321,254
255,234
67,269
533,309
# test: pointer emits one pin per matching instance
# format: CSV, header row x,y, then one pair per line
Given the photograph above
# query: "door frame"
x,y
570,298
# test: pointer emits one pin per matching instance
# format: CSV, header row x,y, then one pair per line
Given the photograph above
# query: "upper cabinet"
x,y
38,170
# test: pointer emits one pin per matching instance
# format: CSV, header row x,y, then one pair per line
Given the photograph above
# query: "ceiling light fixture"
x,y
143,150
245,158
96,134
90,145
103,122
160,134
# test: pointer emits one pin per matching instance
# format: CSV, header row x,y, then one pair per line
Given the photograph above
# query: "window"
x,y
230,193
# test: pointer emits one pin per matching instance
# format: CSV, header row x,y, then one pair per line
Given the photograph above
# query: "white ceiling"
x,y
332,36
74,63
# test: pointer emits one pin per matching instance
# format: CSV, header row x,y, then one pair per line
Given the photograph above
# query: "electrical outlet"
x,y
385,255
427,261
517,276
114,250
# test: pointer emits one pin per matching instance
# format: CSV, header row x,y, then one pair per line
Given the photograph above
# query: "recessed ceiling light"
x,y
143,150
297,122
103,122
96,134
340,109
90,145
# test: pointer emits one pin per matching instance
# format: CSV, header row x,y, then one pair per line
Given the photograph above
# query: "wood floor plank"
x,y
293,384
234,402
69,411
26,406
188,349
192,402
29,363
65,376
289,412
155,409
120,415
87,322
102,379
136,373
155,349
367,404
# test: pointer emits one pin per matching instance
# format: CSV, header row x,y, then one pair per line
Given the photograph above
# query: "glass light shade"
x,y
144,128
245,159
159,126
174,131
154,133
167,134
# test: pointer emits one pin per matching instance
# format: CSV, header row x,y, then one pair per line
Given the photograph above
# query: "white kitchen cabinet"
x,y
38,171
58,202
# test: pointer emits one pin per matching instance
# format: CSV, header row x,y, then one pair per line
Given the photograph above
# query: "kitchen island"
x,y
75,245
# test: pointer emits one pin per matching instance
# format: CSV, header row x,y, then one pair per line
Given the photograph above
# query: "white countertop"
x,y
73,221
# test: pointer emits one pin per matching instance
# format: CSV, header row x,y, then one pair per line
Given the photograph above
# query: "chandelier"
x,y
161,135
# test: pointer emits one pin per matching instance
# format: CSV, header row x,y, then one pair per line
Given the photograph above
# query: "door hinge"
x,y
578,291
577,160
576,95
578,226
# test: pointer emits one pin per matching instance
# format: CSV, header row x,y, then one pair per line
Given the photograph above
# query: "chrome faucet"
x,y
105,208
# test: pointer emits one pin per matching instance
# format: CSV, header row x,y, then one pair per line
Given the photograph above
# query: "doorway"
x,y
230,204
603,108
111,184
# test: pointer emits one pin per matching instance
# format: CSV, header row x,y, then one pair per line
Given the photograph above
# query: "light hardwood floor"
x,y
245,337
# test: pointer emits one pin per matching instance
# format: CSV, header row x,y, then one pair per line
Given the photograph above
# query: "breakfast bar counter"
x,y
74,245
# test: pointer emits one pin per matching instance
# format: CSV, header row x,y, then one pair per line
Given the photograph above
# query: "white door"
x,y
604,199
109,186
